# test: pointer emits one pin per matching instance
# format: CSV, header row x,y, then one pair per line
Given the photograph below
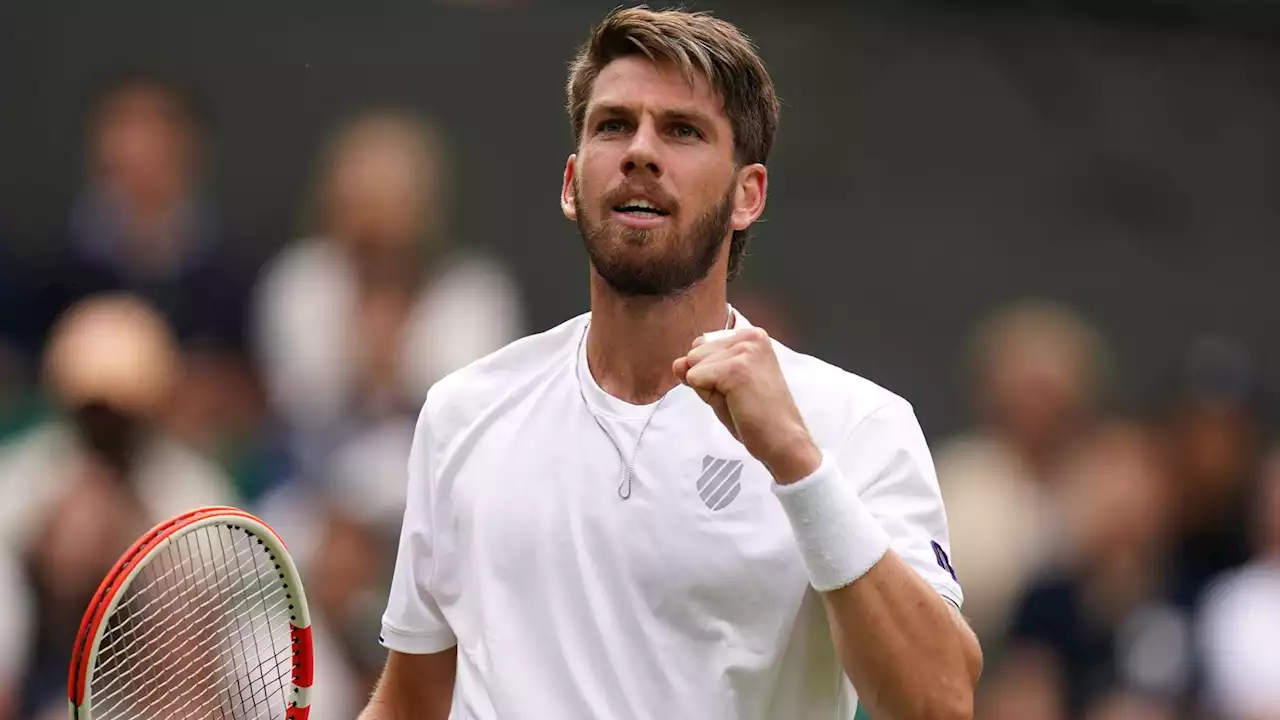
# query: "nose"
x,y
642,153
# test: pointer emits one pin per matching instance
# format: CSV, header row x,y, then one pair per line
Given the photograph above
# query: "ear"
x,y
749,196
567,189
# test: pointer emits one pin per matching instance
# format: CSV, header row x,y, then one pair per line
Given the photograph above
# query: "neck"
x,y
632,342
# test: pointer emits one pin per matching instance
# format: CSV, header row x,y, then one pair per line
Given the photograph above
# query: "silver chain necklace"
x,y
628,466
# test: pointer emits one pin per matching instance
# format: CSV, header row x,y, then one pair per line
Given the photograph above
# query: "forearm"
x,y
379,709
386,704
414,687
905,648
382,710
383,706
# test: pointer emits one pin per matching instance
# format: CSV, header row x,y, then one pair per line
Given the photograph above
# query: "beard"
x,y
686,258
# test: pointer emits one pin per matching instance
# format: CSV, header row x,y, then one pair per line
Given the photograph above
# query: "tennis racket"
x,y
204,617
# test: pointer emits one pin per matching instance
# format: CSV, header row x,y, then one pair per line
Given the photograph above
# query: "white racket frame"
x,y
298,704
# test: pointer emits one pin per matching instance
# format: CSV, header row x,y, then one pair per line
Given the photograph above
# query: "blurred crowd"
x,y
1118,563
146,367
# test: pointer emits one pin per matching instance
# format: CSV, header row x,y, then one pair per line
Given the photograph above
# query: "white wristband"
x,y
839,538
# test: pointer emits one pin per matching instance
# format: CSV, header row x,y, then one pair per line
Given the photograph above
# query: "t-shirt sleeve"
x,y
887,457
413,622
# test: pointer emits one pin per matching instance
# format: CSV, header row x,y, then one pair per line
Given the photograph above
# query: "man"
x,y
633,516
144,223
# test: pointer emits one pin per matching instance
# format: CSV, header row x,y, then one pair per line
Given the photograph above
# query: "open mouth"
x,y
641,208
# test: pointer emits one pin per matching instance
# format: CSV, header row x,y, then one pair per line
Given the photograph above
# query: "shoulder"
x,y
35,444
473,273
177,478
835,400
305,278
35,453
1235,593
39,452
464,396
302,261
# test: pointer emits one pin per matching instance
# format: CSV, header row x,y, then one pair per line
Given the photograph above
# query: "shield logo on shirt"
x,y
719,482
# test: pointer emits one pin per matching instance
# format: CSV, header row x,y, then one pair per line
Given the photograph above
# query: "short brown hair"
x,y
696,43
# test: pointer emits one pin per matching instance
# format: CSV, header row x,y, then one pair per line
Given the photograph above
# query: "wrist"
x,y
794,461
839,537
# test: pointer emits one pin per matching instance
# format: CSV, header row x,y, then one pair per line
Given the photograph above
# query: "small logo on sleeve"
x,y
944,562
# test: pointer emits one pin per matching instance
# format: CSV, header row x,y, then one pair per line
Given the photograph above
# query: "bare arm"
x,y
414,687
907,650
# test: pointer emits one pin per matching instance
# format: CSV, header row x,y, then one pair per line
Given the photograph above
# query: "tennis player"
x,y
653,510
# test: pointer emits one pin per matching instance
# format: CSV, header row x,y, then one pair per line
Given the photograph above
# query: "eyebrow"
x,y
689,115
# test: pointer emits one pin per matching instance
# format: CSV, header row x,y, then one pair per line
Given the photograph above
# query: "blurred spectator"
x,y
361,319
1038,373
1214,422
78,489
144,225
1094,636
111,366
1240,621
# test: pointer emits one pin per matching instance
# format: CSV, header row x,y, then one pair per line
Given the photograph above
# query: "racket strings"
x,y
160,653
201,674
139,631
147,637
140,618
202,631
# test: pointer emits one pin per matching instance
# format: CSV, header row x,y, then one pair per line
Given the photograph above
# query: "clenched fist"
x,y
737,373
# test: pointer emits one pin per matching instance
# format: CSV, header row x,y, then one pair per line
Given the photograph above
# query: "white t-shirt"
x,y
307,328
1239,634
567,601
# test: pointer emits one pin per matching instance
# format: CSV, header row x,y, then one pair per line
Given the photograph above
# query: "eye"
x,y
686,131
611,125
